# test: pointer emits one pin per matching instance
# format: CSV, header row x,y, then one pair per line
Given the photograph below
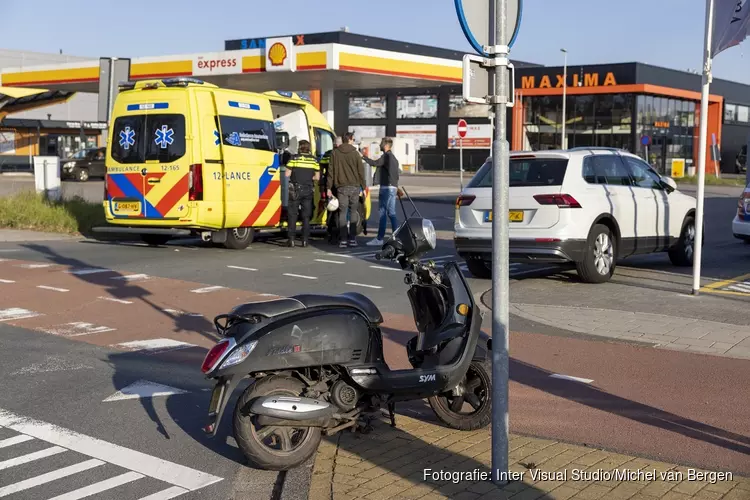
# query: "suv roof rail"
x,y
594,148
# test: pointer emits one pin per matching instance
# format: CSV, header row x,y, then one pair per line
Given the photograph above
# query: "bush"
x,y
30,210
712,180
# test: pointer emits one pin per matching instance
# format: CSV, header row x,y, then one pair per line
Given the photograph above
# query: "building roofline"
x,y
367,41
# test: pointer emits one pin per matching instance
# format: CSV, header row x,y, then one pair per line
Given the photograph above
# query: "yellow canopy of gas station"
x,y
16,99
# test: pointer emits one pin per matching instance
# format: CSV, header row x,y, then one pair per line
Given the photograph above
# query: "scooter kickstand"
x,y
392,413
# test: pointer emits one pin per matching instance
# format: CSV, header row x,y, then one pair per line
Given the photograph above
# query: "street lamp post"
x,y
563,139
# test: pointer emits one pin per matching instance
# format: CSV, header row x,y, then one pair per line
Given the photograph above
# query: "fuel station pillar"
x,y
326,105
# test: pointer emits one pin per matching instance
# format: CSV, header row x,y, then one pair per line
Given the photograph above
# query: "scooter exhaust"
x,y
289,411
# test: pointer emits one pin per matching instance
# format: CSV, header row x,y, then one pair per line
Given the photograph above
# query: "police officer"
x,y
303,171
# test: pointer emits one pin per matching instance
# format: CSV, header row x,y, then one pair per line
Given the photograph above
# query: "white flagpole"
x,y
698,242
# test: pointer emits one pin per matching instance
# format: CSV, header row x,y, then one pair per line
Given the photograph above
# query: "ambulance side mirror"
x,y
282,141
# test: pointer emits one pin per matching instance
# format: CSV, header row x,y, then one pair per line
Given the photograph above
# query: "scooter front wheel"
x,y
269,447
469,407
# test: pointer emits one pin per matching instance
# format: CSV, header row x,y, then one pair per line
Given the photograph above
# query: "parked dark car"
x,y
84,164
740,163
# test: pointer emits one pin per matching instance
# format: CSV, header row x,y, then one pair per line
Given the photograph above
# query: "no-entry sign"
x,y
463,128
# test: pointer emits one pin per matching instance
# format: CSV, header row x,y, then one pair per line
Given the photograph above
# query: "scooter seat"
x,y
269,308
349,299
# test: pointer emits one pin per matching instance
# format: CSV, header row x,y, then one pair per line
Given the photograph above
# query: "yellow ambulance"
x,y
188,158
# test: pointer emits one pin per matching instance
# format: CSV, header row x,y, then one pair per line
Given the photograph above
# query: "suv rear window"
x,y
526,172
142,138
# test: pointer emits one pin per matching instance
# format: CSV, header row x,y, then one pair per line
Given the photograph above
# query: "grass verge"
x,y
712,180
30,210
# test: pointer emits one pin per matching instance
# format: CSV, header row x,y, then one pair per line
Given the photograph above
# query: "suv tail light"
x,y
195,182
465,199
561,200
215,354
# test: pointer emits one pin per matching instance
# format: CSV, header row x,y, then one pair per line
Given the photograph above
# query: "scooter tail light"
x,y
214,355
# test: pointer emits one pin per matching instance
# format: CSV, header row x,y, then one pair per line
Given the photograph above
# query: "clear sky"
x,y
661,32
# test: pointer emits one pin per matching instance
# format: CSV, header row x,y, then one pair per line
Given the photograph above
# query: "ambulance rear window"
x,y
247,133
141,138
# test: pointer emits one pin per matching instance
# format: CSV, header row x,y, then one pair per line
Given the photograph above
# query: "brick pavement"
x,y
389,464
669,332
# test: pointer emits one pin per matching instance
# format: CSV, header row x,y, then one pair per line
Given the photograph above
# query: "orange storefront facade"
x,y
649,111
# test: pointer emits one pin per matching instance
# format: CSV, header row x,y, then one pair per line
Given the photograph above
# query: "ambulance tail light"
x,y
106,193
195,182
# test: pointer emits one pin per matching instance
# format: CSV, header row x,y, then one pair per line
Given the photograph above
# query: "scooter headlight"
x,y
239,354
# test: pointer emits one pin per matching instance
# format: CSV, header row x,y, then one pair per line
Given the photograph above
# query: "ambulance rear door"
x,y
148,178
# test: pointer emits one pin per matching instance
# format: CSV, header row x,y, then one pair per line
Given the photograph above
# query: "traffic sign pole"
x,y
500,248
491,27
462,128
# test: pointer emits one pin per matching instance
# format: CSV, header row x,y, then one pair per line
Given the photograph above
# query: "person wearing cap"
x,y
303,171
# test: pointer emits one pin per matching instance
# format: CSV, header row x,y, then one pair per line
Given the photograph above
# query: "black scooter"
x,y
318,366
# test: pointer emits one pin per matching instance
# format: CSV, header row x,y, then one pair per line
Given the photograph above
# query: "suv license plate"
x,y
513,216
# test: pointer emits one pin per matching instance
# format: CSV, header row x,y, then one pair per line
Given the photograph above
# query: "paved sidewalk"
x,y
19,235
391,464
663,331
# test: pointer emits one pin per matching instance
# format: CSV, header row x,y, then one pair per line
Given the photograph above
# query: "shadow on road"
x,y
123,287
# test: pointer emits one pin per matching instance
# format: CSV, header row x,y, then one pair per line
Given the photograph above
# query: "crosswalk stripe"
x,y
4,443
23,459
172,492
49,477
95,488
154,345
169,472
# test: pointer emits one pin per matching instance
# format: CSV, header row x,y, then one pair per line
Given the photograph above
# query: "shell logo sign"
x,y
277,54
280,54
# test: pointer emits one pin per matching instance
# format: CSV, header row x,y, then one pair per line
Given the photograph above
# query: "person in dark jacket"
x,y
387,176
303,171
346,175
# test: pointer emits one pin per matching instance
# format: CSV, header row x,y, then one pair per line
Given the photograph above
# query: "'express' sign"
x,y
218,65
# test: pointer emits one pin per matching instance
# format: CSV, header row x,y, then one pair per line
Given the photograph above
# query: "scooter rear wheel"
x,y
267,447
471,408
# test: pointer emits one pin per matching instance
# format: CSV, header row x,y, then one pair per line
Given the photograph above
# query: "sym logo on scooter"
x,y
427,378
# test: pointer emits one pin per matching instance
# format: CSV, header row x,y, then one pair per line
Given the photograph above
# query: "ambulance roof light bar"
x,y
167,82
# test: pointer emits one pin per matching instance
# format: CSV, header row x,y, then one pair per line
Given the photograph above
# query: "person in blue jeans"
x,y
387,176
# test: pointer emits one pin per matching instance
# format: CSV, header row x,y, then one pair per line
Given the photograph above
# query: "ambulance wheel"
x,y
239,238
155,240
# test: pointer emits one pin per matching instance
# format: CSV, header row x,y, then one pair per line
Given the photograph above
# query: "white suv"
x,y
589,206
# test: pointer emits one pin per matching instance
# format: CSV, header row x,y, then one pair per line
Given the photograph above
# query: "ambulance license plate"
x,y
513,216
127,207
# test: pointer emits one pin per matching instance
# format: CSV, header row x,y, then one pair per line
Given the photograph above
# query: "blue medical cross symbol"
x,y
127,138
164,137
217,141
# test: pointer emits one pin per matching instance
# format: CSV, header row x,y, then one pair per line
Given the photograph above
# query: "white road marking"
x,y
6,281
330,254
10,249
119,301
24,459
53,288
93,270
15,313
77,329
286,257
330,261
49,477
132,277
268,295
300,276
172,311
572,379
242,268
172,492
174,474
207,289
384,268
143,389
4,443
34,266
739,287
154,345
363,285
95,488
4,260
